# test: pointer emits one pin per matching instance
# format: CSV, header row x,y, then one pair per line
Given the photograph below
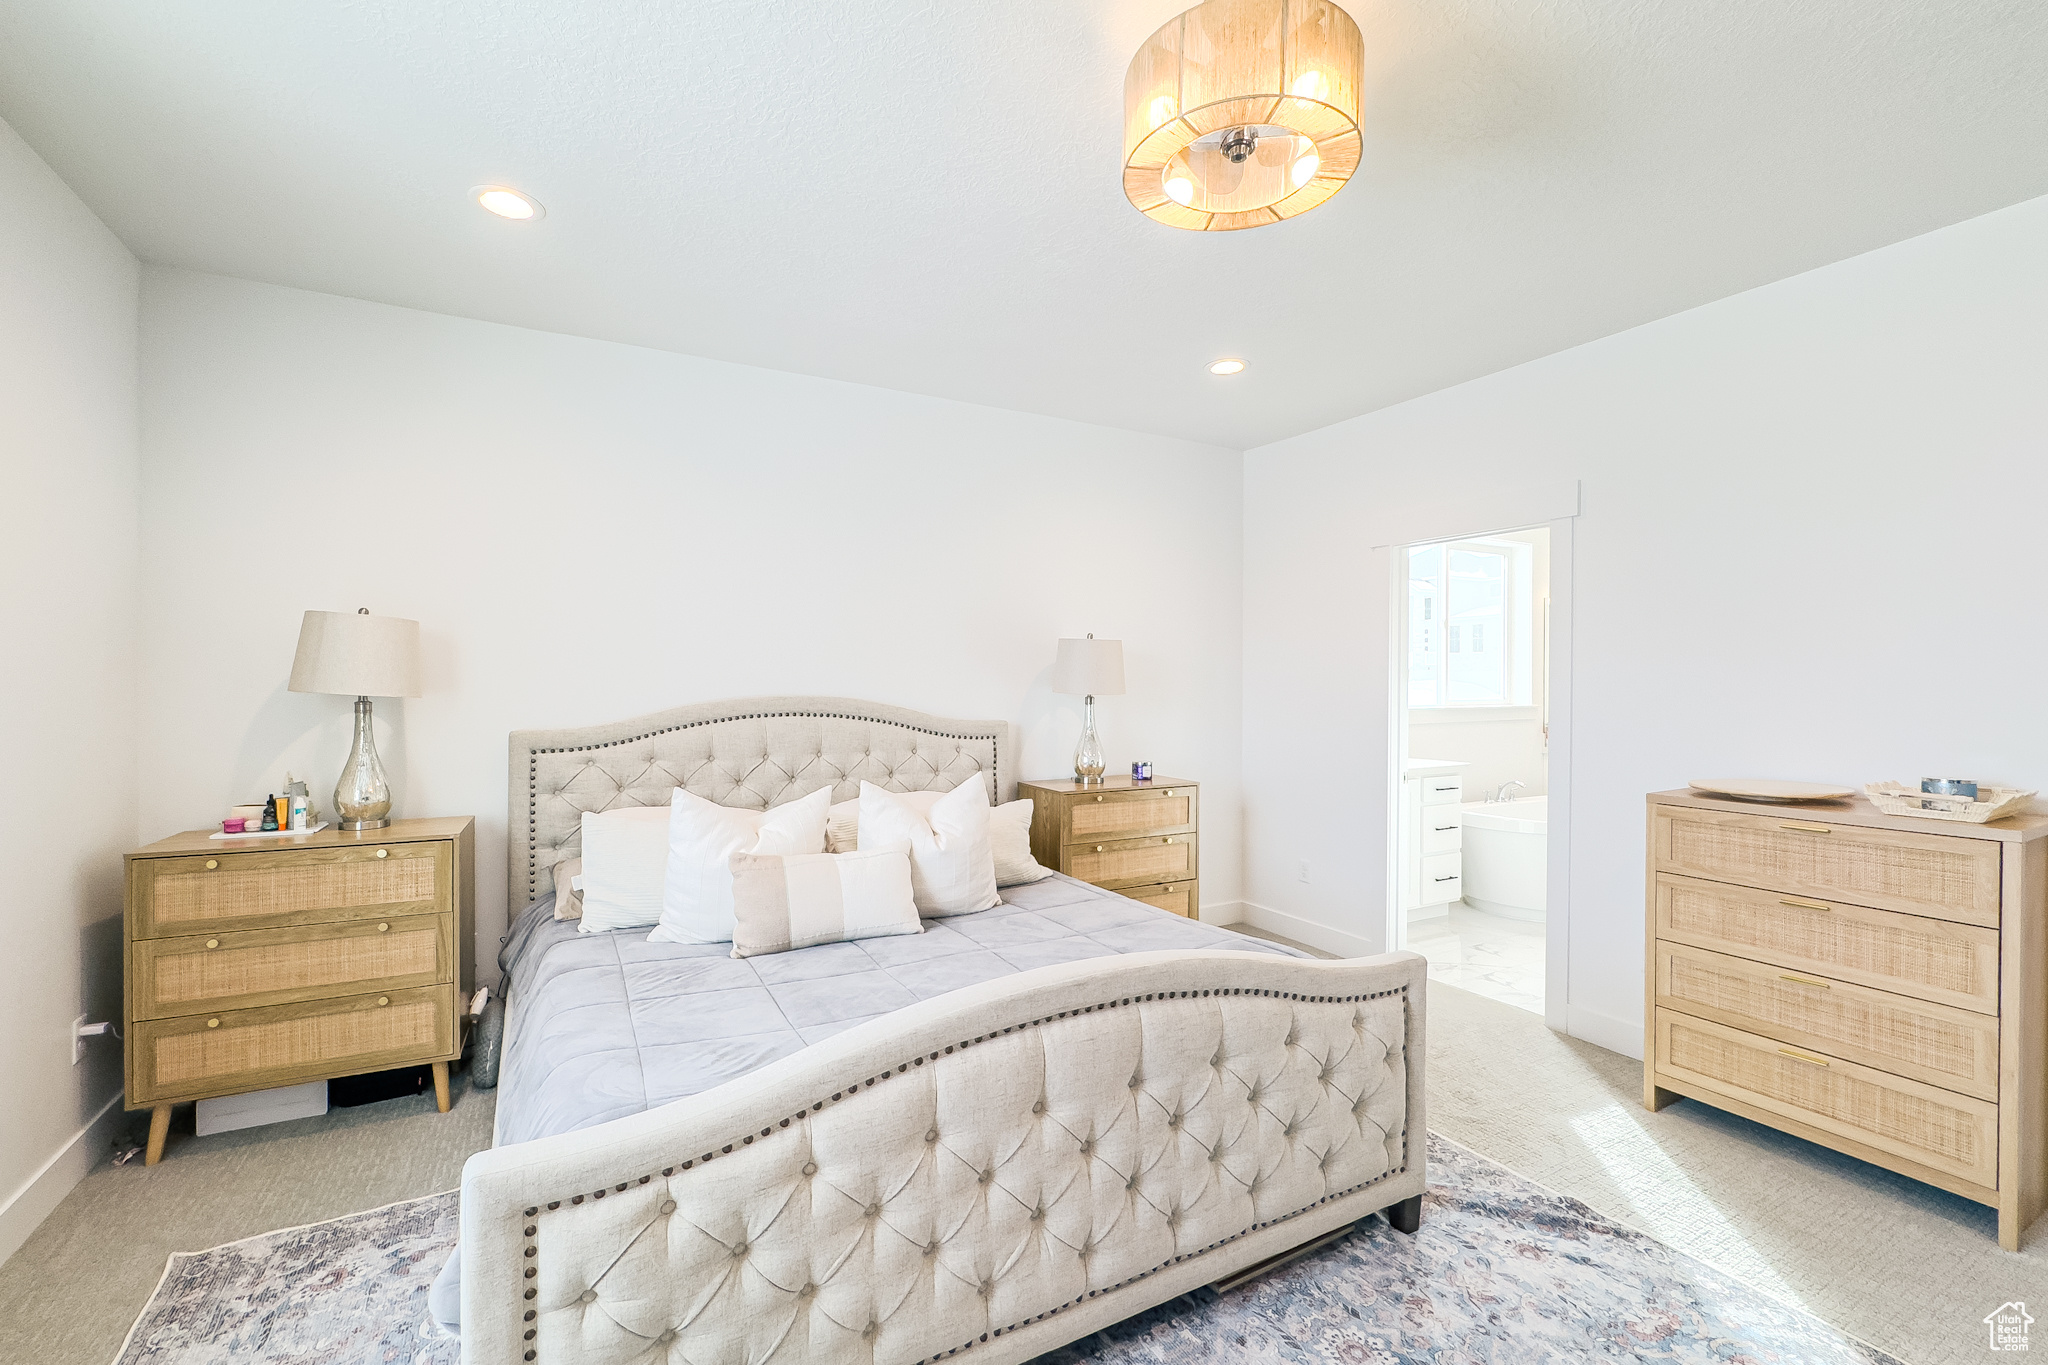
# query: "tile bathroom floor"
x,y
1501,959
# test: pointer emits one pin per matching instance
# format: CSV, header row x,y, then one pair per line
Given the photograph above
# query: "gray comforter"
x,y
600,1026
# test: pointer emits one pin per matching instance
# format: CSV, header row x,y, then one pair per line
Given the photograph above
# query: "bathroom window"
x,y
1482,594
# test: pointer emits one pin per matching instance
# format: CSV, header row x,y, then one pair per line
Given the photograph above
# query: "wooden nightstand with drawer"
x,y
272,962
1873,984
1137,838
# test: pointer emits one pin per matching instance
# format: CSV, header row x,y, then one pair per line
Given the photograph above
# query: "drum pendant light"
x,y
1242,112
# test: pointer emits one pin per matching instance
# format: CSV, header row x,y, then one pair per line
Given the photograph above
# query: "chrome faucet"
x,y
1501,793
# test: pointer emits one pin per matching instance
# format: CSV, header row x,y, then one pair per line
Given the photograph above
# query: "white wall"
x,y
1810,546
67,681
589,531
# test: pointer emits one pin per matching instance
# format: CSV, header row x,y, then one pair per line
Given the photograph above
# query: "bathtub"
x,y
1504,847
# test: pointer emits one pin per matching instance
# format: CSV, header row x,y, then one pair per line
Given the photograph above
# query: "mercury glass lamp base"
x,y
1088,762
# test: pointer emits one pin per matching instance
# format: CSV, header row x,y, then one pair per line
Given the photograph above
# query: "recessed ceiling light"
x,y
508,203
1230,365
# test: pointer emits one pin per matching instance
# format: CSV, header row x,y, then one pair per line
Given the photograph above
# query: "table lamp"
x,y
1089,668
360,656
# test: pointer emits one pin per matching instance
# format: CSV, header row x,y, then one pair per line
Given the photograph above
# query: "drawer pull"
x,y
1804,827
1166,841
1443,829
213,943
1167,792
213,1023
1803,1057
1098,848
1098,798
1453,877
1804,981
383,928
383,853
1802,903
383,999
211,864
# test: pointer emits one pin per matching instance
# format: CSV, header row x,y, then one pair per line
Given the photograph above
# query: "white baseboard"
x,y
1605,1030
1222,912
25,1209
1307,931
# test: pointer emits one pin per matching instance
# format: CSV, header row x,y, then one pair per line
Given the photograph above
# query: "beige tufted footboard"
x,y
986,1175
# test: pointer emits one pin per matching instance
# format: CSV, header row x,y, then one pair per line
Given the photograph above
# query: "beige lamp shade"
x,y
1089,668
1242,112
356,654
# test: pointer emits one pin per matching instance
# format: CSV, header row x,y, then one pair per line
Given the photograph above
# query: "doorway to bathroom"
x,y
1472,714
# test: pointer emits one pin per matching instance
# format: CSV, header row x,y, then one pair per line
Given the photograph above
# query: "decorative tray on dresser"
x,y
270,962
1138,838
1874,984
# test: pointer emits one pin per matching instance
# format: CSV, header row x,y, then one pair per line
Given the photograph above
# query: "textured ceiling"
x,y
926,196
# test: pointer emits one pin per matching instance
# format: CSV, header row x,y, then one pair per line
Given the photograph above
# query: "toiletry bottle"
x,y
269,813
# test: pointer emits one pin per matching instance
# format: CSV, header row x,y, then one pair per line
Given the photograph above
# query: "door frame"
x,y
1557,703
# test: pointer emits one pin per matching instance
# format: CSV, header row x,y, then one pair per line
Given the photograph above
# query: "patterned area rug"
x,y
1503,1272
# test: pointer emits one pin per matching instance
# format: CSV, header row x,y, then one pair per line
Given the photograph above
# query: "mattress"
x,y
599,1026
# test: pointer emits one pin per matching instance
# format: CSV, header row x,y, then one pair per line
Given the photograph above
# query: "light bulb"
x,y
1305,168
1230,365
1311,85
507,203
1163,110
1181,190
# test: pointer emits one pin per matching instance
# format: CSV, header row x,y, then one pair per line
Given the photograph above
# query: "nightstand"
x,y
1137,838
270,962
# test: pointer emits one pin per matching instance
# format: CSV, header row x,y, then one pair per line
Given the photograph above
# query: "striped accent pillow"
x,y
785,901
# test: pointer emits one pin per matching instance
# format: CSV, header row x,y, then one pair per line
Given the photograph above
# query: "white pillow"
x,y
780,903
696,905
952,871
842,822
1009,840
625,854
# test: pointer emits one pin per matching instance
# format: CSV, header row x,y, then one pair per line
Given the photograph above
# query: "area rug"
x,y
1503,1272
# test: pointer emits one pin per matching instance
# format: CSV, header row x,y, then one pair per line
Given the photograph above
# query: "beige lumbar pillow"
x,y
1009,841
568,889
782,902
952,871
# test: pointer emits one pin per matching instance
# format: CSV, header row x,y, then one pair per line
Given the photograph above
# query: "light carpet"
x,y
1502,1270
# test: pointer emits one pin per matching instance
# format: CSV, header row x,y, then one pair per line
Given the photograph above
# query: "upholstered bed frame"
x,y
985,1175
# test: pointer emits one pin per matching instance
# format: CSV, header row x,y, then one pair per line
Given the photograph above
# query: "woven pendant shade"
x,y
1242,112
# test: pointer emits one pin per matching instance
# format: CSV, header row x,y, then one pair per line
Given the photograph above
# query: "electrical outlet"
x,y
78,1037
1303,874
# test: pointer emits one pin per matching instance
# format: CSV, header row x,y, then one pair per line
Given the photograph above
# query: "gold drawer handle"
x,y
383,999
1804,981
1098,848
1803,1057
213,1023
383,853
213,943
1098,798
1168,792
1805,828
212,863
383,928
1803,903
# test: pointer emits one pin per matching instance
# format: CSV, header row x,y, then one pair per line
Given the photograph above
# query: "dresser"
x,y
1873,984
1430,874
1137,838
258,963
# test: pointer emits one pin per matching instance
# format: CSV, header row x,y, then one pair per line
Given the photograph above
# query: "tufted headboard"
x,y
753,752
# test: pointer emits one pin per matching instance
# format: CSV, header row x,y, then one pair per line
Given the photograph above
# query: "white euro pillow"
x,y
696,902
952,871
811,898
625,859
1009,840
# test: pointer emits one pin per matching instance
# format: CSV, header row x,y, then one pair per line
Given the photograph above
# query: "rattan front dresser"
x,y
270,962
1873,984
1137,838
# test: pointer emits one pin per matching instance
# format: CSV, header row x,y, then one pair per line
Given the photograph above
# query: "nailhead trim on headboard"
x,y
934,727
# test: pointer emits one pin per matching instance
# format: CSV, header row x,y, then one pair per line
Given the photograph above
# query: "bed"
x,y
981,1141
